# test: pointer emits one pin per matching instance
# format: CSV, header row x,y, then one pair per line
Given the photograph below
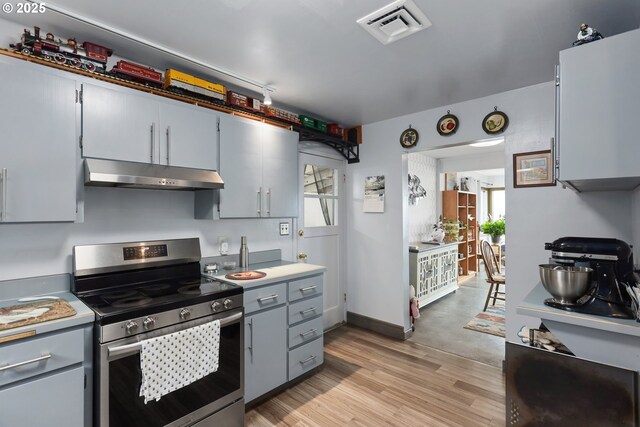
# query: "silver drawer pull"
x,y
26,362
309,310
307,360
312,331
263,299
308,288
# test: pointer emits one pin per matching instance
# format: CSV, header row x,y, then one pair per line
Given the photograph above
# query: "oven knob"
x,y
131,327
227,303
185,314
149,323
215,306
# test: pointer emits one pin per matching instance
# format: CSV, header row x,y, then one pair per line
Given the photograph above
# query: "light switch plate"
x,y
284,228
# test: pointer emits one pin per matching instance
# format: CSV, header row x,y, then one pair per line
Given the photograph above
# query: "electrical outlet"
x,y
284,228
223,243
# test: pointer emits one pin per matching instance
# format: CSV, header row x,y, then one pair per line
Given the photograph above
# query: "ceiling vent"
x,y
395,21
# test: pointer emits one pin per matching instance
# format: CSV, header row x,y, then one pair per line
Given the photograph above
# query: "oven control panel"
x,y
148,323
143,252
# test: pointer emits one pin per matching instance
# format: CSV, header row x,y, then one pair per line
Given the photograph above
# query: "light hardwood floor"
x,y
370,380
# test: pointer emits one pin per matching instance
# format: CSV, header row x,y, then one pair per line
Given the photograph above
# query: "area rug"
x,y
489,322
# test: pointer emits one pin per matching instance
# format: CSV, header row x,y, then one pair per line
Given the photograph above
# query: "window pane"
x,y
319,180
319,212
497,203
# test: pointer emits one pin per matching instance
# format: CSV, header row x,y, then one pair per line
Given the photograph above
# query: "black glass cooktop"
x,y
118,296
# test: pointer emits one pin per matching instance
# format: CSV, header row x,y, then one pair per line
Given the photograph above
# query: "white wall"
x,y
635,214
377,244
122,215
422,215
490,160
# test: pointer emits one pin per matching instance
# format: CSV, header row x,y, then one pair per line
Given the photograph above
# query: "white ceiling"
x,y
319,60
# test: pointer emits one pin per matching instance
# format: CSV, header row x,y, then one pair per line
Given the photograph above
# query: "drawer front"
x,y
305,332
305,309
305,358
265,297
55,351
56,400
304,288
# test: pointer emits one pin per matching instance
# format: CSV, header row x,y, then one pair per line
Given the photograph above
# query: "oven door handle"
x,y
133,348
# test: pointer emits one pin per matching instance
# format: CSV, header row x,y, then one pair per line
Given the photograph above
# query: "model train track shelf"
x,y
90,59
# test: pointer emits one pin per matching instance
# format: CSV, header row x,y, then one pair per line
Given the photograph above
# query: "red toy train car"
x,y
137,73
87,55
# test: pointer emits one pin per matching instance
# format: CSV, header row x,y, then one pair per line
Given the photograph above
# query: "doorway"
x,y
320,228
462,187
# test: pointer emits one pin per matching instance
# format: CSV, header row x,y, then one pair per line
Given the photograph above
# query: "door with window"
x,y
320,227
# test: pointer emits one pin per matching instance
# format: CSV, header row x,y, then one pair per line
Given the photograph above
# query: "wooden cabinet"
x,y
259,166
283,333
460,207
38,154
597,104
433,273
123,124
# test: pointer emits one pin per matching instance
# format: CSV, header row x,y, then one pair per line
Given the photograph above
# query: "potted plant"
x,y
495,229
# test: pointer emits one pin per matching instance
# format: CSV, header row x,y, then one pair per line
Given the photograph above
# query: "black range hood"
x,y
115,173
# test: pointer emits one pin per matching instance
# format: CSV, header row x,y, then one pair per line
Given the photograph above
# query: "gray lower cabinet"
x,y
123,124
283,334
265,351
38,163
44,380
597,126
259,166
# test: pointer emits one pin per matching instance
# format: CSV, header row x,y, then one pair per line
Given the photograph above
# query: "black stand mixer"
x,y
612,264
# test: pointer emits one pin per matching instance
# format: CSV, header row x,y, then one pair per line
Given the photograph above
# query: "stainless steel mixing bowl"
x,y
566,284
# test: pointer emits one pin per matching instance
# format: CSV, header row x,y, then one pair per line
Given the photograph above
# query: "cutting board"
x,y
246,275
29,313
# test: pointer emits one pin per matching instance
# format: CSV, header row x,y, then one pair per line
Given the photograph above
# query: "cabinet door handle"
x,y
309,332
168,144
3,213
153,134
307,360
556,136
259,201
269,201
26,362
309,310
308,288
251,332
263,299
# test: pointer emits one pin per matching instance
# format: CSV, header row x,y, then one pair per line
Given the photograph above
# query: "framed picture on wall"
x,y
533,169
451,181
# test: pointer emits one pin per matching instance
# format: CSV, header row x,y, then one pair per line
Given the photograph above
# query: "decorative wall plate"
x,y
495,122
409,138
448,124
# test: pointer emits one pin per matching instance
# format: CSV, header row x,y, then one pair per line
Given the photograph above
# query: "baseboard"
x,y
385,328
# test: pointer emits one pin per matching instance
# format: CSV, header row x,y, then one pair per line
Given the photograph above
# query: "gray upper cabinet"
x,y
121,124
597,128
258,164
39,144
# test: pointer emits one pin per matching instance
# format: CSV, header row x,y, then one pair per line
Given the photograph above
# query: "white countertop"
x,y
533,305
277,271
422,247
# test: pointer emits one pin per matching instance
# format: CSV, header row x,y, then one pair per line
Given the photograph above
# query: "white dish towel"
x,y
173,361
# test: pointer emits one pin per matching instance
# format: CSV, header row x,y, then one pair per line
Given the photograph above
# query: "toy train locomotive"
x,y
90,56
93,57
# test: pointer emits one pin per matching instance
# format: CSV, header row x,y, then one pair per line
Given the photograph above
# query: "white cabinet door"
x,y
265,352
280,172
38,149
241,167
599,130
188,136
119,124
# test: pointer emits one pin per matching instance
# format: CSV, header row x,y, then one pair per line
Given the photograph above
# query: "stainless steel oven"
x,y
144,290
119,378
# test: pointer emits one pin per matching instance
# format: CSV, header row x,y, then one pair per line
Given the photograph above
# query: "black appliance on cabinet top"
x,y
143,290
612,263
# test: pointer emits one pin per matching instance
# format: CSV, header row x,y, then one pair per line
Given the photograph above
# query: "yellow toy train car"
x,y
186,84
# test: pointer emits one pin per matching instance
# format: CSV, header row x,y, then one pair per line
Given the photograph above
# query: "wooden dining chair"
x,y
494,277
